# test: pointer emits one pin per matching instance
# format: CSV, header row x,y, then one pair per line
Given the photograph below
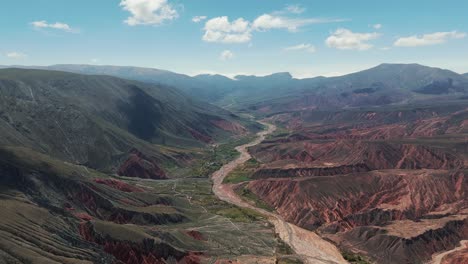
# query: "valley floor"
x,y
309,246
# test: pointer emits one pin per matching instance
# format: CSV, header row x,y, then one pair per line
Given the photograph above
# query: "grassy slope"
x,y
96,120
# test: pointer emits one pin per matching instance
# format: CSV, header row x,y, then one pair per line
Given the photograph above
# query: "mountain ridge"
x,y
91,119
387,83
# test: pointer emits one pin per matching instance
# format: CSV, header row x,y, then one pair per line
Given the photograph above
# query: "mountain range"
x,y
110,164
382,85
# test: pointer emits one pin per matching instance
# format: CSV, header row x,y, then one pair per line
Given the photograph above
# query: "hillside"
x,y
85,162
99,120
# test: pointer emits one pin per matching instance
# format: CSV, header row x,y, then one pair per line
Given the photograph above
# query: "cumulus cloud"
x,y
220,29
377,26
148,12
57,25
428,39
16,55
345,39
301,47
198,19
226,55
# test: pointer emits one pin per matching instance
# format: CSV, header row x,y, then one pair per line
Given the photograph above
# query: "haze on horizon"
x,y
305,38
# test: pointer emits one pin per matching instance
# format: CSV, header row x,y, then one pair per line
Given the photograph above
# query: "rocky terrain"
x,y
394,190
367,168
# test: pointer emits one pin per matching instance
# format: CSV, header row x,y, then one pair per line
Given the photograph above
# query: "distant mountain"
x,y
201,88
95,120
383,84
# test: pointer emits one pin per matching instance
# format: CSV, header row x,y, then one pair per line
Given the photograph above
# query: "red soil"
x,y
83,216
196,235
145,252
199,136
342,202
139,166
119,185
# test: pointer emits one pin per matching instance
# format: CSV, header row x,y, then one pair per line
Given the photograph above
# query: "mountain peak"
x,y
274,76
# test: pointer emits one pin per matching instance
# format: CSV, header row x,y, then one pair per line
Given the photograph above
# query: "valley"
x,y
233,132
309,246
99,169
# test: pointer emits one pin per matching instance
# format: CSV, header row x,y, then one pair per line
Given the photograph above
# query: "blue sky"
x,y
306,38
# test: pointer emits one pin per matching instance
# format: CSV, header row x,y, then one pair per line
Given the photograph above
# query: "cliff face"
x,y
360,209
387,248
373,154
389,183
342,202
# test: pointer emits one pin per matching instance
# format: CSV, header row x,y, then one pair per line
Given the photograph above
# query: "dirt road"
x,y
307,244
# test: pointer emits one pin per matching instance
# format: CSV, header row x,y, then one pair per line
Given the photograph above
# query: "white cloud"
x,y
377,26
198,19
269,21
226,55
219,29
57,25
345,39
301,47
428,39
95,60
295,9
148,12
16,55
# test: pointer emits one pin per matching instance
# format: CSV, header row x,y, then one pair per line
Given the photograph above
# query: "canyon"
x,y
364,168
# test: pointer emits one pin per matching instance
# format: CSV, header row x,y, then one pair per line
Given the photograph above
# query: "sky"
x,y
257,37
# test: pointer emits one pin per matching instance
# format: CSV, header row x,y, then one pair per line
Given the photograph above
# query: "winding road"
x,y
306,244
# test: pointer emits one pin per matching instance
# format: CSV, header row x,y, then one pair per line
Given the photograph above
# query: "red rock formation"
x,y
388,249
83,216
139,166
196,235
147,251
359,207
343,153
119,185
342,202
307,172
199,136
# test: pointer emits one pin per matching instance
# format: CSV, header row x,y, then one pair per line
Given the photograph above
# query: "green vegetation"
x,y
283,248
239,214
289,261
248,195
280,131
355,258
218,156
243,172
